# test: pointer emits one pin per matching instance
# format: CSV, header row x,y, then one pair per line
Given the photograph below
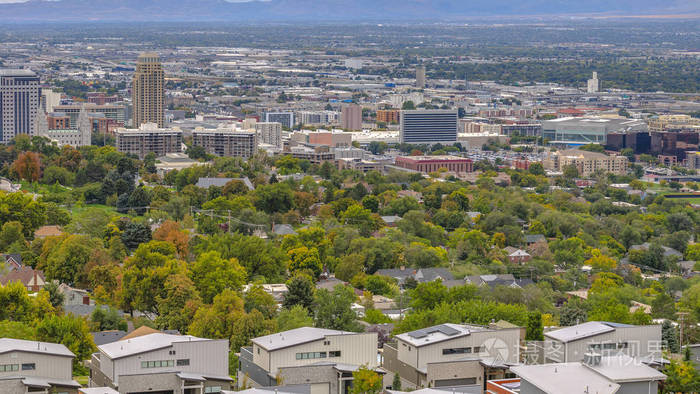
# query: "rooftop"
x,y
439,333
17,73
19,345
583,330
295,337
623,368
551,378
128,347
439,157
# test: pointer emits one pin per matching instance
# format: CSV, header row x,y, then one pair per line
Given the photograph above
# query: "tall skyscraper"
x,y
285,118
351,117
148,91
420,77
594,83
19,103
429,127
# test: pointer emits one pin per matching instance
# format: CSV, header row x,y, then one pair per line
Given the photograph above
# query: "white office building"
x,y
429,127
269,133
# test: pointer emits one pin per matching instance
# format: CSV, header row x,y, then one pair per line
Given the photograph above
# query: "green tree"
x,y
177,303
296,317
12,233
366,381
334,309
67,260
396,383
135,234
71,331
303,259
535,329
256,298
107,318
300,291
212,274
361,218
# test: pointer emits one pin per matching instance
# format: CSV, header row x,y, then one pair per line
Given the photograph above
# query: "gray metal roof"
x,y
580,331
570,378
435,334
105,337
290,389
143,344
623,368
20,345
98,390
295,337
205,183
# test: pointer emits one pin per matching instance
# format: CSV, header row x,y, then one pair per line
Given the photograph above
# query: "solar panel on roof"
x,y
444,329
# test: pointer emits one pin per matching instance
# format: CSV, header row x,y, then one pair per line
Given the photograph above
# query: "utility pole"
x,y
680,337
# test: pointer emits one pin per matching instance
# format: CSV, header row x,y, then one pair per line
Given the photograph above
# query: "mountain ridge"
x,y
323,10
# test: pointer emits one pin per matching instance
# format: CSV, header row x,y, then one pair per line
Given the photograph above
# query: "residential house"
x,y
323,358
73,296
159,362
288,389
36,367
13,261
517,256
276,290
108,336
452,355
619,374
32,279
534,238
283,229
497,280
421,275
570,344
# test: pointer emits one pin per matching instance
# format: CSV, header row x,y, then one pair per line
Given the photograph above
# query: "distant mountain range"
x,y
325,10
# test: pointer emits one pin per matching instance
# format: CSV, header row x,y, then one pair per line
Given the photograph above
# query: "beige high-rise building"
x,y
420,77
351,117
148,91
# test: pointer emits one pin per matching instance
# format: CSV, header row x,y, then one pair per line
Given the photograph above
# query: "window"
x,y
172,352
335,353
28,367
183,362
9,367
608,346
212,389
480,349
458,350
310,355
157,364
622,345
258,350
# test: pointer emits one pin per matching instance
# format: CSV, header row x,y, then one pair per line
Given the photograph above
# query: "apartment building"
x,y
36,367
585,162
323,358
148,138
269,133
570,344
389,116
80,135
163,363
285,118
226,142
19,103
428,127
148,91
452,355
115,112
351,117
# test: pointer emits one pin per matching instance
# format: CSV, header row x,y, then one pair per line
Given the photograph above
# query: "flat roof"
x,y
583,330
552,378
439,333
440,157
623,368
145,343
19,345
295,337
12,72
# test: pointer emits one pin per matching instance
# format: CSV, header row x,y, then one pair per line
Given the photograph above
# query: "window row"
x,y
16,367
157,364
463,350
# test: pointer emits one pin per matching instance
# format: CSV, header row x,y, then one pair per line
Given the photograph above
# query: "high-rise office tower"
x,y
351,117
19,103
269,133
594,84
429,127
420,77
148,91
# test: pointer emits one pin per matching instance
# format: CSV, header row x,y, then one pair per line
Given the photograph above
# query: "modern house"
x,y
163,363
452,355
37,367
570,344
494,280
421,275
322,358
618,374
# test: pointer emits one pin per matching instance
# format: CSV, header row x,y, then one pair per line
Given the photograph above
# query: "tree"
x,y
277,197
366,381
65,259
107,318
307,260
27,166
256,298
361,218
669,336
56,297
212,274
15,303
681,376
408,105
396,383
601,262
536,169
71,331
573,312
16,330
22,208
12,233
90,221
177,303
334,309
300,291
535,329
135,234
171,231
296,317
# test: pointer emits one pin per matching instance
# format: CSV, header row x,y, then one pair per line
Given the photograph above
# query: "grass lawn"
x,y
83,380
80,209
